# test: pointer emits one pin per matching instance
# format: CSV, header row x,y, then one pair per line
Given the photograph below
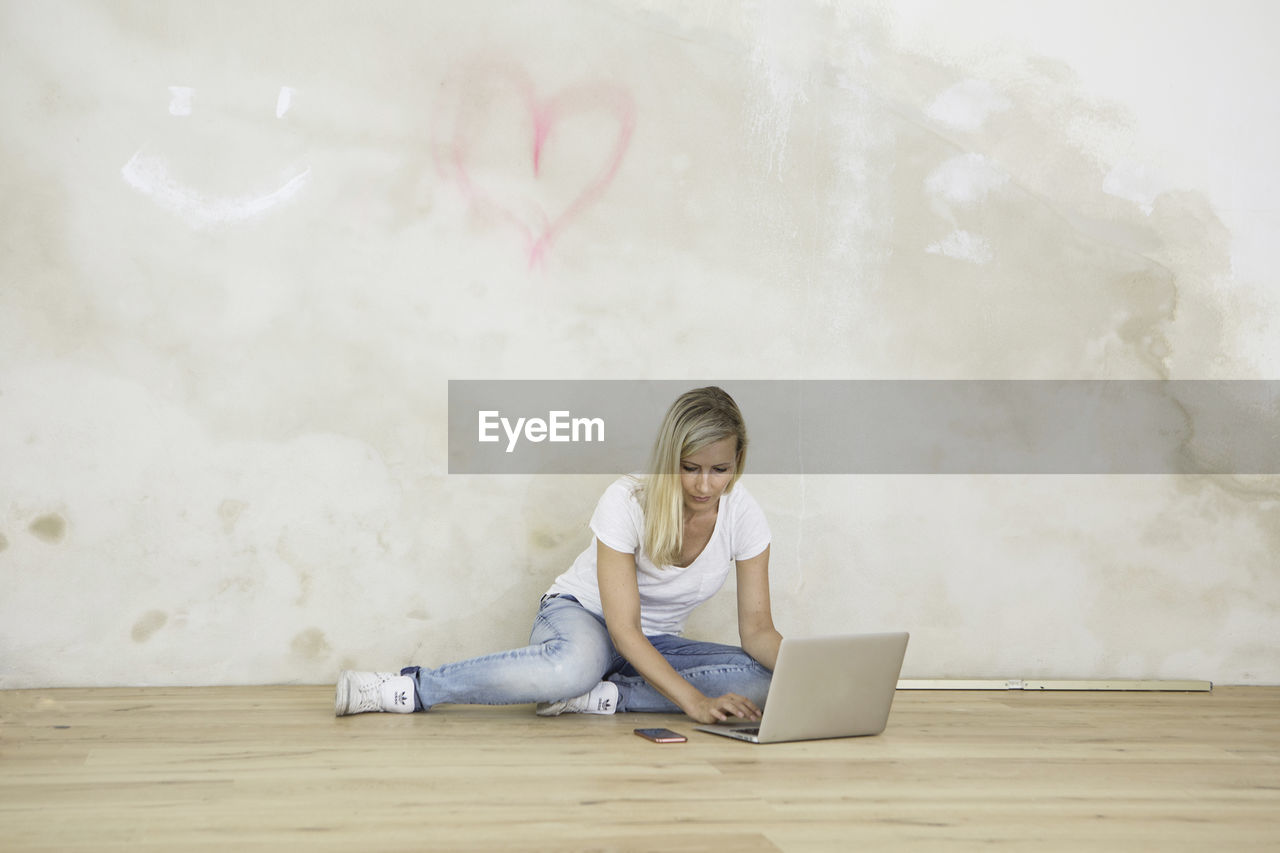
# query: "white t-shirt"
x,y
669,594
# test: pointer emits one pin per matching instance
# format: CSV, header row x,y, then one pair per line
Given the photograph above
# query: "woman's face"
x,y
705,475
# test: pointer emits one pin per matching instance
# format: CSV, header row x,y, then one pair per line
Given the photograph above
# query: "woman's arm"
x,y
755,615
620,595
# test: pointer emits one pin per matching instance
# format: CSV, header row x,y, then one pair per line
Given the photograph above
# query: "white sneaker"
x,y
361,692
602,699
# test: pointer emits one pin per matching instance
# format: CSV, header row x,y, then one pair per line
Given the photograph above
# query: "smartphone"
x,y
661,735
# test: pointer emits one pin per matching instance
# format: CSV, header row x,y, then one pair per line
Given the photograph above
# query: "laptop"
x,y
826,687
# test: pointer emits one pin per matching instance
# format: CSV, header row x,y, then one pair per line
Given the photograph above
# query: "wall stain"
x,y
287,552
148,624
239,583
50,528
544,539
311,644
4,543
304,586
229,511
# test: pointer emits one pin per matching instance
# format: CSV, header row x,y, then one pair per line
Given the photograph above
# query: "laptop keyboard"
x,y
755,731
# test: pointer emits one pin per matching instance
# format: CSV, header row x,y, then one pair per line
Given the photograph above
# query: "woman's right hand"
x,y
717,709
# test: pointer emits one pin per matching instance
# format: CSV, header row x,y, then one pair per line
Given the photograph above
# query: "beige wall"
x,y
246,245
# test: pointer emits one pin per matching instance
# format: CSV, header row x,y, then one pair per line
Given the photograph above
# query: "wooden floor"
x,y
270,768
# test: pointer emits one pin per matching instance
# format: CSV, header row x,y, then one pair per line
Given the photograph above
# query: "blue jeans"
x,y
570,652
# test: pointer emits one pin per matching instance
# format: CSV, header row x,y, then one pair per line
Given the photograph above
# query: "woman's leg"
x,y
713,668
569,653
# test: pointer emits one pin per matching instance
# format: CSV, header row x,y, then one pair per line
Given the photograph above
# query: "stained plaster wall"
x,y
244,247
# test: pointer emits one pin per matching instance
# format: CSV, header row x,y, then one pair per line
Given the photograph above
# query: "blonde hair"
x,y
696,419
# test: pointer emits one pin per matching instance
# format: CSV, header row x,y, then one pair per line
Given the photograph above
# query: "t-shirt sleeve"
x,y
750,528
617,521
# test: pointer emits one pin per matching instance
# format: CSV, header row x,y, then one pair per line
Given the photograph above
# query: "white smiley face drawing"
x,y
149,173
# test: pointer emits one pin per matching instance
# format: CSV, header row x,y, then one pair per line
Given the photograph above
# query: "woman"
x,y
607,632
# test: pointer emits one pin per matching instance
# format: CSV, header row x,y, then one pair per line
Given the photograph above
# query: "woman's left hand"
x,y
720,708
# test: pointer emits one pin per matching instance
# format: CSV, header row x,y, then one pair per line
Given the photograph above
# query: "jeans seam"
x,y
709,669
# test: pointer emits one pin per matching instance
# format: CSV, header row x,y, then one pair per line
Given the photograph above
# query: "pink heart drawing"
x,y
535,163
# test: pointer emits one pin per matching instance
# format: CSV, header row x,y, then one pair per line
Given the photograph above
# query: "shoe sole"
x,y
341,700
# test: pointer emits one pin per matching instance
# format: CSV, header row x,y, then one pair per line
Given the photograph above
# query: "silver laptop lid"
x,y
825,687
